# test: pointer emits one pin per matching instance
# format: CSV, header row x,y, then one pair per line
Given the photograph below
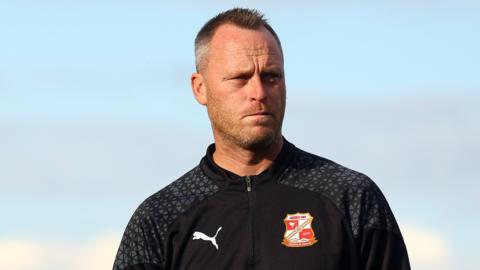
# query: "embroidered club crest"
x,y
298,230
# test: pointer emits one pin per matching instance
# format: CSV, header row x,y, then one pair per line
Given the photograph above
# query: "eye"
x,y
242,77
271,77
239,79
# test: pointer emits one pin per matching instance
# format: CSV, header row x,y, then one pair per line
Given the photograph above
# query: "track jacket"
x,y
304,212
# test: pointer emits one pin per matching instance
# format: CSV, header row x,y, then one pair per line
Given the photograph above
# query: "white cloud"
x,y
98,254
18,253
427,248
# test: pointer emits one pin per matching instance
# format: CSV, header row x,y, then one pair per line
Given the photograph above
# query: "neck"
x,y
243,161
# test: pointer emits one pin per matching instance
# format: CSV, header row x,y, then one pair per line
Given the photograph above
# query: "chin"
x,y
259,141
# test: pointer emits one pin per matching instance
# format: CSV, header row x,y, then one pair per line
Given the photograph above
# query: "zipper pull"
x,y
249,183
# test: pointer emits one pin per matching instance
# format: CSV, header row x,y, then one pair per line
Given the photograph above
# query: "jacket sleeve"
x,y
379,240
382,249
141,245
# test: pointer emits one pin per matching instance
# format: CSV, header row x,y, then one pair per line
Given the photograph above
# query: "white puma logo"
x,y
200,235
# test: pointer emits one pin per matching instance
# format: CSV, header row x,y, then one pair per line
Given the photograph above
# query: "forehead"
x,y
231,40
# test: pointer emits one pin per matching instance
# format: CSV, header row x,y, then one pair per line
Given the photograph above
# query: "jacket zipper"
x,y
248,181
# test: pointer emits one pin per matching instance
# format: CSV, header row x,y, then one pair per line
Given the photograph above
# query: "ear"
x,y
199,88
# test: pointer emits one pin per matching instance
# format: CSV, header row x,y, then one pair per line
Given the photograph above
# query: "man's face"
x,y
245,86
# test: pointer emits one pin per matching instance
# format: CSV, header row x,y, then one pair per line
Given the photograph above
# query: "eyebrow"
x,y
238,72
274,68
235,74
248,72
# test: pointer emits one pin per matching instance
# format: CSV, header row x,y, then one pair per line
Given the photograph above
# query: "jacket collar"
x,y
228,180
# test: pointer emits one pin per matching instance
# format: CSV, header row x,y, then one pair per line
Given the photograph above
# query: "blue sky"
x,y
96,114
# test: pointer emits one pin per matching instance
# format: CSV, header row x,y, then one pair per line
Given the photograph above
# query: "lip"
x,y
259,114
259,117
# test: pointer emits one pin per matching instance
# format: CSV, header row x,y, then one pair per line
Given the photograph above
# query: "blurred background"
x,y
96,114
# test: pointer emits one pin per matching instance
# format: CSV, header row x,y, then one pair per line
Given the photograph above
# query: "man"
x,y
256,201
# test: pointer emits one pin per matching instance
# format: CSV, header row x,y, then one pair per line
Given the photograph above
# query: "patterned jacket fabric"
x,y
304,212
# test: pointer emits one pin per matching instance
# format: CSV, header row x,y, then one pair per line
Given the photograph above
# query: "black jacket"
x,y
304,212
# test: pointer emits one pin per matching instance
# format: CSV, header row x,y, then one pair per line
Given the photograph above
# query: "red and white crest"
x,y
298,230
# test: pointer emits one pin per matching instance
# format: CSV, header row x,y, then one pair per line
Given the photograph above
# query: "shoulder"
x,y
156,213
148,227
354,194
315,173
177,197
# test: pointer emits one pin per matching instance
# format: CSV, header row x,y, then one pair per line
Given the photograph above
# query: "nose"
x,y
257,89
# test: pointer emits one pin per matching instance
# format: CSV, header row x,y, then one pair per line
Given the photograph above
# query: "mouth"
x,y
259,114
260,117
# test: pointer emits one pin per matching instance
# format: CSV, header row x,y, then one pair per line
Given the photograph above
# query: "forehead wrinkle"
x,y
245,53
233,49
255,55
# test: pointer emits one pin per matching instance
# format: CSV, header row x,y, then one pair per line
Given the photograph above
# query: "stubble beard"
x,y
246,140
224,127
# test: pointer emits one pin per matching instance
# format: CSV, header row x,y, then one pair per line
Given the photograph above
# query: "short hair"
x,y
242,17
